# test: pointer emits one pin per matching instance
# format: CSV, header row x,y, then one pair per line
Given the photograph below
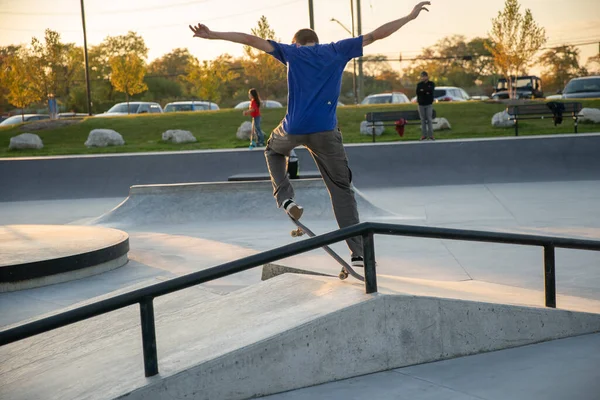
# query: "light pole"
x,y
85,53
354,59
311,14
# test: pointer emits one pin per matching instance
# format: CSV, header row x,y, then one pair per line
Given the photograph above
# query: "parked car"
x,y
134,107
193,105
479,98
71,115
17,119
264,103
527,87
385,98
580,88
447,93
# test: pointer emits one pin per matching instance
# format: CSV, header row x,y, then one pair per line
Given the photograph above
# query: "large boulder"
x,y
366,128
103,138
178,136
502,120
590,115
244,131
440,124
25,141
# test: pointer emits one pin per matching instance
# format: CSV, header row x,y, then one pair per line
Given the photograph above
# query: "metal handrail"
x,y
367,230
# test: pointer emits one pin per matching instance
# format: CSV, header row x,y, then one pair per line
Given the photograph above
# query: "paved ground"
x,y
557,370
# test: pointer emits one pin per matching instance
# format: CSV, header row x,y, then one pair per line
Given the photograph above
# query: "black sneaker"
x,y
357,262
293,209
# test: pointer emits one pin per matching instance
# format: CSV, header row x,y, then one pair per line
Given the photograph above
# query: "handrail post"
x,y
148,336
550,276
369,259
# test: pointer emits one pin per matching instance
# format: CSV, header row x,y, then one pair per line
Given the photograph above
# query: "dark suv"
x,y
527,87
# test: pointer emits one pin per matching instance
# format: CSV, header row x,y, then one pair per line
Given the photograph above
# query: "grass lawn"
x,y
216,129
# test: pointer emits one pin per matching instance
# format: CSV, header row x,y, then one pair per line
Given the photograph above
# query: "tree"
x,y
593,65
5,53
562,64
128,75
14,76
265,68
115,46
208,78
172,64
454,61
53,65
515,39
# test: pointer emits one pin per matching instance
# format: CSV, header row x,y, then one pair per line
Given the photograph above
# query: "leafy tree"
x,y
52,65
515,39
562,64
14,76
5,53
115,46
453,61
207,79
265,68
128,75
172,64
593,65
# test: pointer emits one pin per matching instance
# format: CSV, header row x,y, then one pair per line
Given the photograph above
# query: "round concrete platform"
x,y
38,255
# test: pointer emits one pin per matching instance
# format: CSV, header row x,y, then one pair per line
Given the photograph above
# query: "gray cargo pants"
x,y
426,114
328,152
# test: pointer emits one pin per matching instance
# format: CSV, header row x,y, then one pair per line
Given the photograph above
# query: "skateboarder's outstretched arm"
x,y
387,29
203,32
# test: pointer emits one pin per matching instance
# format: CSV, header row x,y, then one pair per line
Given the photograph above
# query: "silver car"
x,y
17,119
263,104
134,107
193,105
385,98
581,88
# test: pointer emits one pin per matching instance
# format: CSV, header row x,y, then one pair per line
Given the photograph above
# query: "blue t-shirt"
x,y
314,82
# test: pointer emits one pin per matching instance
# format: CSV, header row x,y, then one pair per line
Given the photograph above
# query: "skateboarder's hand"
x,y
201,31
420,7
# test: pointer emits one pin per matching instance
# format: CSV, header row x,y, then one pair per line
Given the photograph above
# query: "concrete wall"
x,y
532,158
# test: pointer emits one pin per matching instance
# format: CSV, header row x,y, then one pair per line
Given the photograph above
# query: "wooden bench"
x,y
540,111
392,116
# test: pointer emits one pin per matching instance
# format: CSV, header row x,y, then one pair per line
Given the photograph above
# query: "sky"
x,y
164,24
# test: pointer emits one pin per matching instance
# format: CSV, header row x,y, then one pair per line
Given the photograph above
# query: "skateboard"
x,y
301,229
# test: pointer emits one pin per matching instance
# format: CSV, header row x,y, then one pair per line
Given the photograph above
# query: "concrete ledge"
x,y
285,333
38,255
449,162
222,201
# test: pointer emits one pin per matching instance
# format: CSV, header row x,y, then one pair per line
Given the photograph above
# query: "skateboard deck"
x,y
346,269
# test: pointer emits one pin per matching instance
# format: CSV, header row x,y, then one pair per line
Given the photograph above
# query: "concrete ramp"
x,y
225,201
285,333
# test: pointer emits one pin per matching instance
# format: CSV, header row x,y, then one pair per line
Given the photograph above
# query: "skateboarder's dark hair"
x,y
304,36
254,93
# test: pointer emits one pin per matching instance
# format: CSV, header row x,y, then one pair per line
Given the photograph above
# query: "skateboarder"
x,y
314,83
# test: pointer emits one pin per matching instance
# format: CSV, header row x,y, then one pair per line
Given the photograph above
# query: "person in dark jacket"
x,y
425,90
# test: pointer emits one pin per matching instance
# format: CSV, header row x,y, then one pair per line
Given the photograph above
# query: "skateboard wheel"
x,y
343,275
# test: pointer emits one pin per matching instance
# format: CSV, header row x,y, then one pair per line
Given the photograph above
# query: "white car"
x,y
385,98
263,103
134,107
191,106
447,93
17,119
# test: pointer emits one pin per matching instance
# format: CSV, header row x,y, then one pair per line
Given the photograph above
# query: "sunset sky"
x,y
164,24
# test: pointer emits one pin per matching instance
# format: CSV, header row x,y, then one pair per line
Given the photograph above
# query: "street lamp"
x,y
353,60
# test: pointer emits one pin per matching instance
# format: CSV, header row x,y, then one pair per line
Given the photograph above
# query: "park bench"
x,y
389,118
540,111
